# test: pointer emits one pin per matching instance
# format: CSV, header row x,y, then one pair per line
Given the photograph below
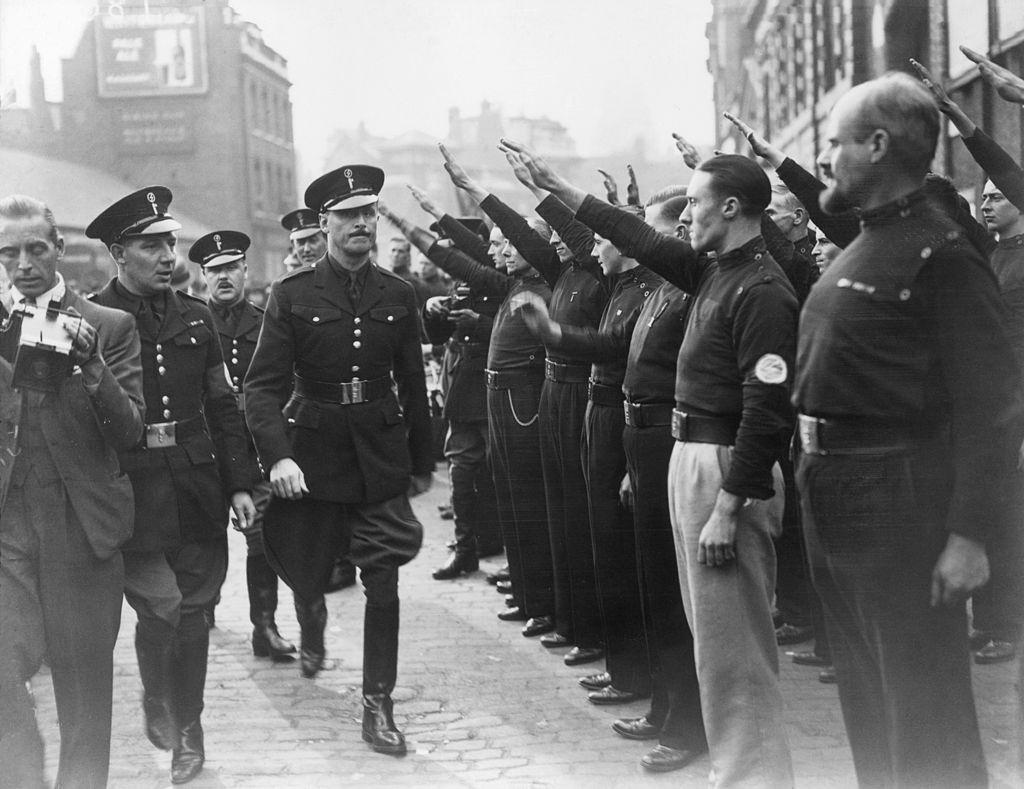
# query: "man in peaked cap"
x,y
190,464
336,401
309,243
221,256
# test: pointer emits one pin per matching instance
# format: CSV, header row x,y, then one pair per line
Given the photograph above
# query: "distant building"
x,y
189,96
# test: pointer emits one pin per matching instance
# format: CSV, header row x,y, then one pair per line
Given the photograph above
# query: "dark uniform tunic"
x,y
515,369
613,542
904,356
578,296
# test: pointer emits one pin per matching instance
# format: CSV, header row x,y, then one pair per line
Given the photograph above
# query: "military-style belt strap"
x,y
566,373
510,379
603,394
162,435
704,429
846,437
648,414
343,392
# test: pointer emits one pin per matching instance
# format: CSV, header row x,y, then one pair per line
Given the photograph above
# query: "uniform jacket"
x,y
181,492
357,453
89,429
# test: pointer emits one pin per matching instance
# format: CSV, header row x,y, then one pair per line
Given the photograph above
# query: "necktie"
x,y
353,289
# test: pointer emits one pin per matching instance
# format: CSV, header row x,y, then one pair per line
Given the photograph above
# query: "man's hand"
x,y
389,215
521,172
536,316
464,319
420,483
626,492
610,187
691,156
717,542
84,340
632,190
243,508
436,305
758,144
947,106
962,568
544,176
1007,84
459,176
425,202
287,480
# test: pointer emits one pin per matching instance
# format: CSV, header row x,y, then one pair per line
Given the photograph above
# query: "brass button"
x,y
159,358
165,400
234,342
161,370
291,421
159,347
316,319
357,320
358,332
357,344
355,368
235,380
167,413
391,318
194,341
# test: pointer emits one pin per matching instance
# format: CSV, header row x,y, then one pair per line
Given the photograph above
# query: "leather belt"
x,y
343,392
648,414
837,437
603,394
566,373
510,379
162,435
704,429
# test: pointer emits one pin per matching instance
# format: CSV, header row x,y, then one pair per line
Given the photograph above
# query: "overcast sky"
x,y
610,70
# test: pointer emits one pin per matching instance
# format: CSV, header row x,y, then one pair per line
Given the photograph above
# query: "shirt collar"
x,y
1013,242
56,293
912,204
752,249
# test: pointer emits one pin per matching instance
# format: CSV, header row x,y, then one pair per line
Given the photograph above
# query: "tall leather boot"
x,y
464,560
312,618
262,582
380,671
154,647
190,659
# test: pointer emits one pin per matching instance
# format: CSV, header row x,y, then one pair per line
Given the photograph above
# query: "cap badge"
x,y
348,175
216,240
152,202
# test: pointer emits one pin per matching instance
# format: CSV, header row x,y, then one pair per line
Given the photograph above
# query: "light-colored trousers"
x,y
729,611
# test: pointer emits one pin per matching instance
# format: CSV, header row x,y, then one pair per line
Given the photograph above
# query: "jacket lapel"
x,y
373,291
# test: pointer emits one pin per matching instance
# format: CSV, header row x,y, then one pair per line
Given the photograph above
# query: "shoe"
x,y
458,564
160,728
976,639
311,663
189,756
827,676
512,615
611,695
267,643
596,681
555,640
499,575
995,651
792,634
312,616
503,587
636,728
662,759
537,626
809,659
580,655
379,727
343,575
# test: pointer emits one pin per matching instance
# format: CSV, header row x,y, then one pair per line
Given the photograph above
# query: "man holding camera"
x,y
67,508
190,464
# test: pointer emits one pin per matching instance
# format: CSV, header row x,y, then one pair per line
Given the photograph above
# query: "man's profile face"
x,y
785,218
351,232
496,247
1000,214
399,255
561,249
226,282
29,254
513,261
146,262
310,249
703,213
846,162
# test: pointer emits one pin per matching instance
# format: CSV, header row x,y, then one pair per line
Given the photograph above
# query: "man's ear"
x,y
117,253
800,216
730,208
323,223
881,142
59,246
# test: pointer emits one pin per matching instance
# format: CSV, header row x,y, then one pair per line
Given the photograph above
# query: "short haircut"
x,y
25,207
737,176
671,202
903,107
541,227
400,240
789,200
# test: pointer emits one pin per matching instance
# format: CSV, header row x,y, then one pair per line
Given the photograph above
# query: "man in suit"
x,y
336,402
190,465
67,509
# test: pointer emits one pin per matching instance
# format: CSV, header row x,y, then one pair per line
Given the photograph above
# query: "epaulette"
x,y
393,275
187,295
297,273
256,307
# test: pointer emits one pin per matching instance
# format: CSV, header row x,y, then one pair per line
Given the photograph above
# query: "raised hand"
x,y
425,202
632,190
691,156
459,176
610,187
544,176
947,106
1007,84
758,144
519,169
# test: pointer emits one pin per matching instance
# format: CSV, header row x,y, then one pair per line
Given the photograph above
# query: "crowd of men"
x,y
751,433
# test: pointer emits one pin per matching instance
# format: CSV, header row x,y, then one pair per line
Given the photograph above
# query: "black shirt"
x,y
654,346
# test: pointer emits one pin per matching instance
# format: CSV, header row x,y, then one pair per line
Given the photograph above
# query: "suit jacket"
x,y
89,429
181,492
358,453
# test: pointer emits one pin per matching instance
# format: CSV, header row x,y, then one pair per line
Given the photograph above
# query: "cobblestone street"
x,y
480,704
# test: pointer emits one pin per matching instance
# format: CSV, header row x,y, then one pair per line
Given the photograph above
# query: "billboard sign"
x,y
151,52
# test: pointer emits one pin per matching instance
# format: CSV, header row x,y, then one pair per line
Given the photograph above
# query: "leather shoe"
x,y
827,675
995,651
596,681
579,655
554,640
611,695
458,564
512,615
160,727
310,662
809,659
662,759
792,634
379,726
636,728
189,756
498,575
537,626
503,587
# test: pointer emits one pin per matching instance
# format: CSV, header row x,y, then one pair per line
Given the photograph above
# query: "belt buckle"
x,y
161,435
678,425
627,408
492,379
809,438
356,391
